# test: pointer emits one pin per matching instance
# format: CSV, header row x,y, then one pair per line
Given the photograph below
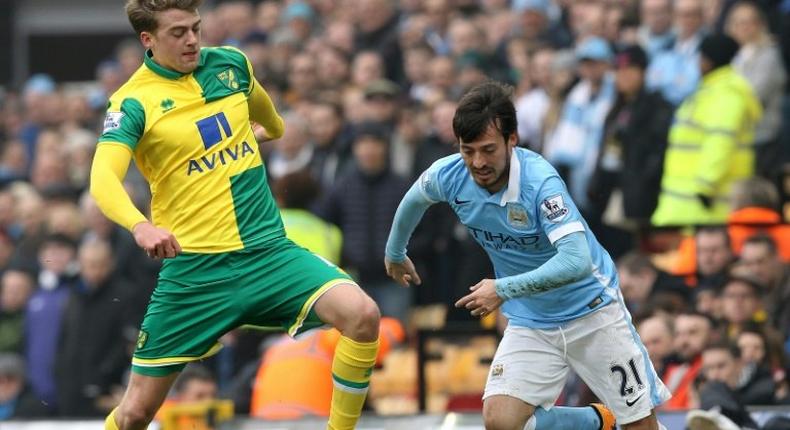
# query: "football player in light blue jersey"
x,y
557,286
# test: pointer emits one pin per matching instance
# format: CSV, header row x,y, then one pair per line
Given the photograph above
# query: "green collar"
x,y
164,72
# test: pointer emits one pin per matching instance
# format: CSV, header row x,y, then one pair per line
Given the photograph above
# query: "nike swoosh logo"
x,y
461,202
629,404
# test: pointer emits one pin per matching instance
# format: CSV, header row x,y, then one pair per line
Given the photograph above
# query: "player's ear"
x,y
512,140
147,39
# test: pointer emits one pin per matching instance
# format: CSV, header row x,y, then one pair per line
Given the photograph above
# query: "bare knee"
x,y
497,419
362,324
133,415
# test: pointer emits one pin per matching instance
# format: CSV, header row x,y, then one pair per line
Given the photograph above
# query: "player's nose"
x,y
478,161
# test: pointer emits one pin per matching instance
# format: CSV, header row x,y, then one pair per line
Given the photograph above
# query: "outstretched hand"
x,y
157,242
482,300
403,272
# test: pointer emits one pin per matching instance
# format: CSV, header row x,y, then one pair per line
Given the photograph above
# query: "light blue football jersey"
x,y
517,227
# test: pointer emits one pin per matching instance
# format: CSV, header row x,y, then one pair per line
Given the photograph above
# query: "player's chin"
x,y
188,66
484,180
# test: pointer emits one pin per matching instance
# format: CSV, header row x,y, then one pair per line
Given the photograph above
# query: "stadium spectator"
x,y
17,401
573,146
302,79
710,142
693,331
289,366
362,203
377,22
759,259
758,351
416,59
331,136
532,106
760,62
195,385
713,256
625,185
295,194
45,312
292,152
644,286
731,384
754,207
333,68
740,304
674,72
537,27
381,103
16,287
129,261
657,334
366,67
440,140
655,33
92,357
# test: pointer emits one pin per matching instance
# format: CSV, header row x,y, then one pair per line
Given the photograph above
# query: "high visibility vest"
x,y
293,381
710,148
313,233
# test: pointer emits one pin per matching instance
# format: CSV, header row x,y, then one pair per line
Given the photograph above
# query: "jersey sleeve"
x,y
557,213
431,183
124,123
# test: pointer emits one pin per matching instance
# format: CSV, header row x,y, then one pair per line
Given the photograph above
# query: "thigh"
x,y
606,352
281,284
191,307
529,366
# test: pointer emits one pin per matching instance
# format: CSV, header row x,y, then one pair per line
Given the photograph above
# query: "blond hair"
x,y
142,13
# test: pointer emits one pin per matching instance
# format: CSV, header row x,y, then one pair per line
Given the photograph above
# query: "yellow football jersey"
x,y
191,138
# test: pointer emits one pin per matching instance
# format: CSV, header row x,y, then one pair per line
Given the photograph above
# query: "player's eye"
x,y
178,33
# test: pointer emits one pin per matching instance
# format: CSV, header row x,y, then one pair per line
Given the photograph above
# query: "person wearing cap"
x,y
299,18
381,102
710,142
573,145
674,71
537,22
628,174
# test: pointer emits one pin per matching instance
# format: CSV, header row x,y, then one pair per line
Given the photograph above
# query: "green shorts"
x,y
200,297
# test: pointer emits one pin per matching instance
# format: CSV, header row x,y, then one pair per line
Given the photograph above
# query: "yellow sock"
x,y
109,423
351,369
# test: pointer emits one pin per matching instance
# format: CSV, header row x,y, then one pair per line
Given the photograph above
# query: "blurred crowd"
x,y
656,113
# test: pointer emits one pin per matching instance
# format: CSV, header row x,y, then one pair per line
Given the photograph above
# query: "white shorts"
x,y
603,348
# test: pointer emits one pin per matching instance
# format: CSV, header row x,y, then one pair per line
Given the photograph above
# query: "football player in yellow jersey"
x,y
184,117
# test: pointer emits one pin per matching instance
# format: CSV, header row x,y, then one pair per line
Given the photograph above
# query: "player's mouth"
x,y
483,174
190,56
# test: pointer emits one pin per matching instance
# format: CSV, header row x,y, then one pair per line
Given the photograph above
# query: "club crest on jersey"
x,y
497,370
228,78
554,208
516,215
141,339
112,121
